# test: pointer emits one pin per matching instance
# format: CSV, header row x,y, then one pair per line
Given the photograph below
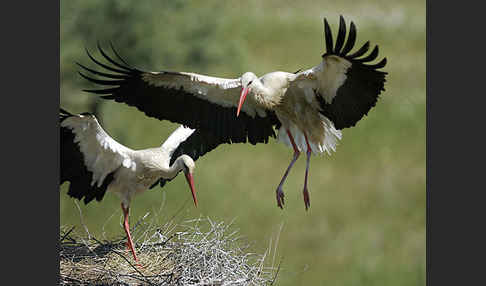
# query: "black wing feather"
x,y
341,35
370,57
112,61
117,55
351,39
359,92
328,36
101,73
361,51
123,72
103,82
379,65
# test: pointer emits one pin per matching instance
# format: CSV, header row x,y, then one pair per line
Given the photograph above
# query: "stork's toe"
x,y
306,199
280,197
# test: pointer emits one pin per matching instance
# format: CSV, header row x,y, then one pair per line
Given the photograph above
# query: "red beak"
x,y
244,92
190,181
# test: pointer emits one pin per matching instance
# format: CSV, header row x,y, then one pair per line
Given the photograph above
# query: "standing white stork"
x,y
309,108
94,163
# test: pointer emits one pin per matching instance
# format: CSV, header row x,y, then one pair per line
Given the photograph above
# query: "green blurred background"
x,y
366,224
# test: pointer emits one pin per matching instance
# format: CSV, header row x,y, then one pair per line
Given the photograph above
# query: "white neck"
x,y
173,170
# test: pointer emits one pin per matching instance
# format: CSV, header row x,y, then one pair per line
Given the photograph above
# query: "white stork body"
x,y
297,109
95,163
308,108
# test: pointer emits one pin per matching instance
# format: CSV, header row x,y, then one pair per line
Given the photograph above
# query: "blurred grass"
x,y
366,224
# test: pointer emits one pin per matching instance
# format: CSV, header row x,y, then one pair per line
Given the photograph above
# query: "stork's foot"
x,y
137,263
306,198
280,193
306,191
280,197
140,266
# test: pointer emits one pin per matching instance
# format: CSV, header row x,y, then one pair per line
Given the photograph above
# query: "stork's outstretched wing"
x,y
201,102
345,85
89,156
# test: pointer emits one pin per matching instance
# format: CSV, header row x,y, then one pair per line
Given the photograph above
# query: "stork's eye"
x,y
250,82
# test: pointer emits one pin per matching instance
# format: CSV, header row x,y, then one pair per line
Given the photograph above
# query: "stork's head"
x,y
188,167
246,83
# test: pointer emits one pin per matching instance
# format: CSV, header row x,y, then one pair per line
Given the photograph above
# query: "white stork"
x,y
308,108
94,163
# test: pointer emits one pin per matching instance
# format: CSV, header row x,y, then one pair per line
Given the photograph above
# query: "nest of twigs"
x,y
196,252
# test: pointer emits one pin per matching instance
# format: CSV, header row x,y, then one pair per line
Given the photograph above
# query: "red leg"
x,y
127,230
296,150
306,192
279,192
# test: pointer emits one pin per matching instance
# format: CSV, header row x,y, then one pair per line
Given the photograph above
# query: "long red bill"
x,y
244,92
190,181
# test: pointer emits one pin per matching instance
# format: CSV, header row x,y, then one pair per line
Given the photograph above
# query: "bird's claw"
x,y
280,198
140,266
306,199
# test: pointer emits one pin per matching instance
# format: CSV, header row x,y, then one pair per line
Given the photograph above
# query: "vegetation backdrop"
x,y
366,224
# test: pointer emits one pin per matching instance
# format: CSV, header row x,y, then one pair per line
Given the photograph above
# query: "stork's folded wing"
x,y
89,156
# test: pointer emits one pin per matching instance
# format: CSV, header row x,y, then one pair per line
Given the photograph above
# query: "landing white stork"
x,y
309,108
94,163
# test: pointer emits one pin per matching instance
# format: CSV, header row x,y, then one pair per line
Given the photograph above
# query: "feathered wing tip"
x,y
123,71
338,49
63,114
328,37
